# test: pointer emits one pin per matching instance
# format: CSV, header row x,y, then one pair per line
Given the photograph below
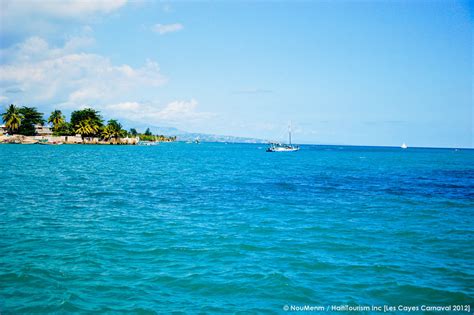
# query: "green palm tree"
x,y
57,119
12,119
107,133
113,130
86,128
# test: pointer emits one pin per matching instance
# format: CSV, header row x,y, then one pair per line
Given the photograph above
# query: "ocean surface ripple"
x,y
219,228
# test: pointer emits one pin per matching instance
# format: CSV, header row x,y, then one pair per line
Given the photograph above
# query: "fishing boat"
x,y
279,147
404,146
27,141
49,142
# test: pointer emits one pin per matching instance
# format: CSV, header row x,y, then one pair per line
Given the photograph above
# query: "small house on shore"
x,y
43,131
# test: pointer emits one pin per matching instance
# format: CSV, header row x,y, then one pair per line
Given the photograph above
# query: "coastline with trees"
x,y
86,126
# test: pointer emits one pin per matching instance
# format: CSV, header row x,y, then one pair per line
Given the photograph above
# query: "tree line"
x,y
85,122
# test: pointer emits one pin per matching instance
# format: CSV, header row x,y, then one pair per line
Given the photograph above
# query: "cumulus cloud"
x,y
36,48
40,74
167,28
63,73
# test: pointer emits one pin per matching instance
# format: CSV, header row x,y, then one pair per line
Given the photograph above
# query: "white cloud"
x,y
36,48
78,42
179,112
64,74
21,18
167,28
38,73
59,8
126,107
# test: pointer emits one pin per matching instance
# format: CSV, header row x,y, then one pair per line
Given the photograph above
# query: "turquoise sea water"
x,y
218,228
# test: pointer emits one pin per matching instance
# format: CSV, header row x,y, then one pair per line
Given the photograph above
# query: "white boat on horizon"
x,y
404,146
278,147
147,143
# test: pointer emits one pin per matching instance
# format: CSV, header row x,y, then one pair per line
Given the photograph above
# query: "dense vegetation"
x,y
85,122
30,118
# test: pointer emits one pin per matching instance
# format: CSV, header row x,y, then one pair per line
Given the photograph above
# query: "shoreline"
x,y
57,140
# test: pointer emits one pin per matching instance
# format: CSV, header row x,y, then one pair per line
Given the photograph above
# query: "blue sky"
x,y
363,73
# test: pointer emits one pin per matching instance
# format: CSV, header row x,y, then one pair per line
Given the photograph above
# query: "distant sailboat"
x,y
404,146
278,147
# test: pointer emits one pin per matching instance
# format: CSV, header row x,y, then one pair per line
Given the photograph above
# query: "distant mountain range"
x,y
191,136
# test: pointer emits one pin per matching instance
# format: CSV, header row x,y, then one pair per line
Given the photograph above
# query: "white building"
x,y
44,131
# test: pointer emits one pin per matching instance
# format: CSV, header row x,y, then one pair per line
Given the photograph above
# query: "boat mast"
x,y
289,133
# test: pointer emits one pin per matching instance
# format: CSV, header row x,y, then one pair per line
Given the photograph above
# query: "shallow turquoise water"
x,y
229,228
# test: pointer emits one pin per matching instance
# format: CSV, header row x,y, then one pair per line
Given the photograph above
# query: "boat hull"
x,y
283,149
